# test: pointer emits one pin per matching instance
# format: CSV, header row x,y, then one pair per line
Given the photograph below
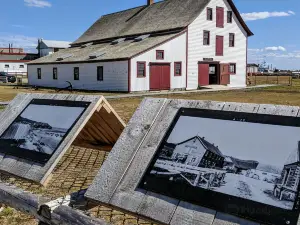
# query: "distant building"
x,y
198,152
240,165
48,47
163,45
287,187
252,68
13,60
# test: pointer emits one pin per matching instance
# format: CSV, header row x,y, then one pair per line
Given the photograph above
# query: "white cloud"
x,y
37,3
275,48
19,41
18,26
255,50
265,15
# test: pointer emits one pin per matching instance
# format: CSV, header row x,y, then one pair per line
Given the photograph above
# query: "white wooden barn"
x,y
48,47
172,44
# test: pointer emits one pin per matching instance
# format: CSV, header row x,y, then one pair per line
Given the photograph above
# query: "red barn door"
x,y
203,74
160,77
224,74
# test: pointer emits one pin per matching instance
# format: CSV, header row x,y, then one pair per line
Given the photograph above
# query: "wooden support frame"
x,y
54,212
98,125
118,179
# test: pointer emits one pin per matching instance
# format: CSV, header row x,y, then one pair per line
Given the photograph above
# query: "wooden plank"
x,y
158,207
114,167
225,219
104,124
189,214
279,110
36,171
21,167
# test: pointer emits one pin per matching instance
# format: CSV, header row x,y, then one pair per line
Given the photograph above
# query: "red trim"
x,y
246,58
129,75
234,68
207,9
18,61
157,54
187,57
145,73
175,75
155,46
228,12
208,37
233,39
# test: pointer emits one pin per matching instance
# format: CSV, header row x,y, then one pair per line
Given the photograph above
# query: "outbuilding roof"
x,y
160,16
56,44
108,50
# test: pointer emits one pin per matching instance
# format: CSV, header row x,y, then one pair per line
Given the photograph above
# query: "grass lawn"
x,y
125,107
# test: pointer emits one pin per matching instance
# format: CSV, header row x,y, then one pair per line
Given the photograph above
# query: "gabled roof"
x,y
252,64
207,145
244,164
161,16
56,44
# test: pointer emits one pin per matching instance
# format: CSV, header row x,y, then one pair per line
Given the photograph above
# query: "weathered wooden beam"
x,y
56,213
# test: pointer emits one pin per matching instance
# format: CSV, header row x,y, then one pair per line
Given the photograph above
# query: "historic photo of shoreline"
x,y
257,162
40,128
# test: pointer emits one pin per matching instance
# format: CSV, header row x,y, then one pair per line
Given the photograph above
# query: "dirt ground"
x,y
284,95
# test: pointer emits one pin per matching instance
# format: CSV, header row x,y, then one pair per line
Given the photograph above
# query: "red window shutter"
x,y
219,45
220,17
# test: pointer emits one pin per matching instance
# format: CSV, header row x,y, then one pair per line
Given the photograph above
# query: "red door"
x,y
220,17
160,77
203,74
224,74
219,45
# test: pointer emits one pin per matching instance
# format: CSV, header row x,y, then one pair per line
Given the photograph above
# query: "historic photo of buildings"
x,y
41,127
252,161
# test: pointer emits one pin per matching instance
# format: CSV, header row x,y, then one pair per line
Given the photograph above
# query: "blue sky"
x,y
274,23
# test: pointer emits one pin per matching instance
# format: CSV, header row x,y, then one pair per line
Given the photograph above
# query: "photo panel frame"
x,y
120,180
37,129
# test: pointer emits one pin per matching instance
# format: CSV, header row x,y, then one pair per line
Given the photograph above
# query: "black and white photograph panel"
x,y
41,128
257,162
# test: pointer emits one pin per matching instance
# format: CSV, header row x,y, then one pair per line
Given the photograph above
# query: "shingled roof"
x,y
121,51
162,16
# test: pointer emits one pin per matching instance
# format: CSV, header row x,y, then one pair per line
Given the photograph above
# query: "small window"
x,y
100,73
231,40
141,69
206,37
6,66
21,66
76,73
229,16
39,73
177,69
54,73
232,68
209,15
160,54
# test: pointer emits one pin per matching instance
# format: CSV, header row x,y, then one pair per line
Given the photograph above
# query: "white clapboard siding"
x,y
13,67
197,51
174,51
115,76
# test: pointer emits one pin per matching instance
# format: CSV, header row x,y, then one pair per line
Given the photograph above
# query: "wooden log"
x,y
29,203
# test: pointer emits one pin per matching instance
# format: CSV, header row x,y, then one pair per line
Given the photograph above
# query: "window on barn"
x,y
54,73
177,69
141,69
209,15
231,40
21,66
206,37
160,54
39,73
6,66
76,73
100,73
229,16
232,68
